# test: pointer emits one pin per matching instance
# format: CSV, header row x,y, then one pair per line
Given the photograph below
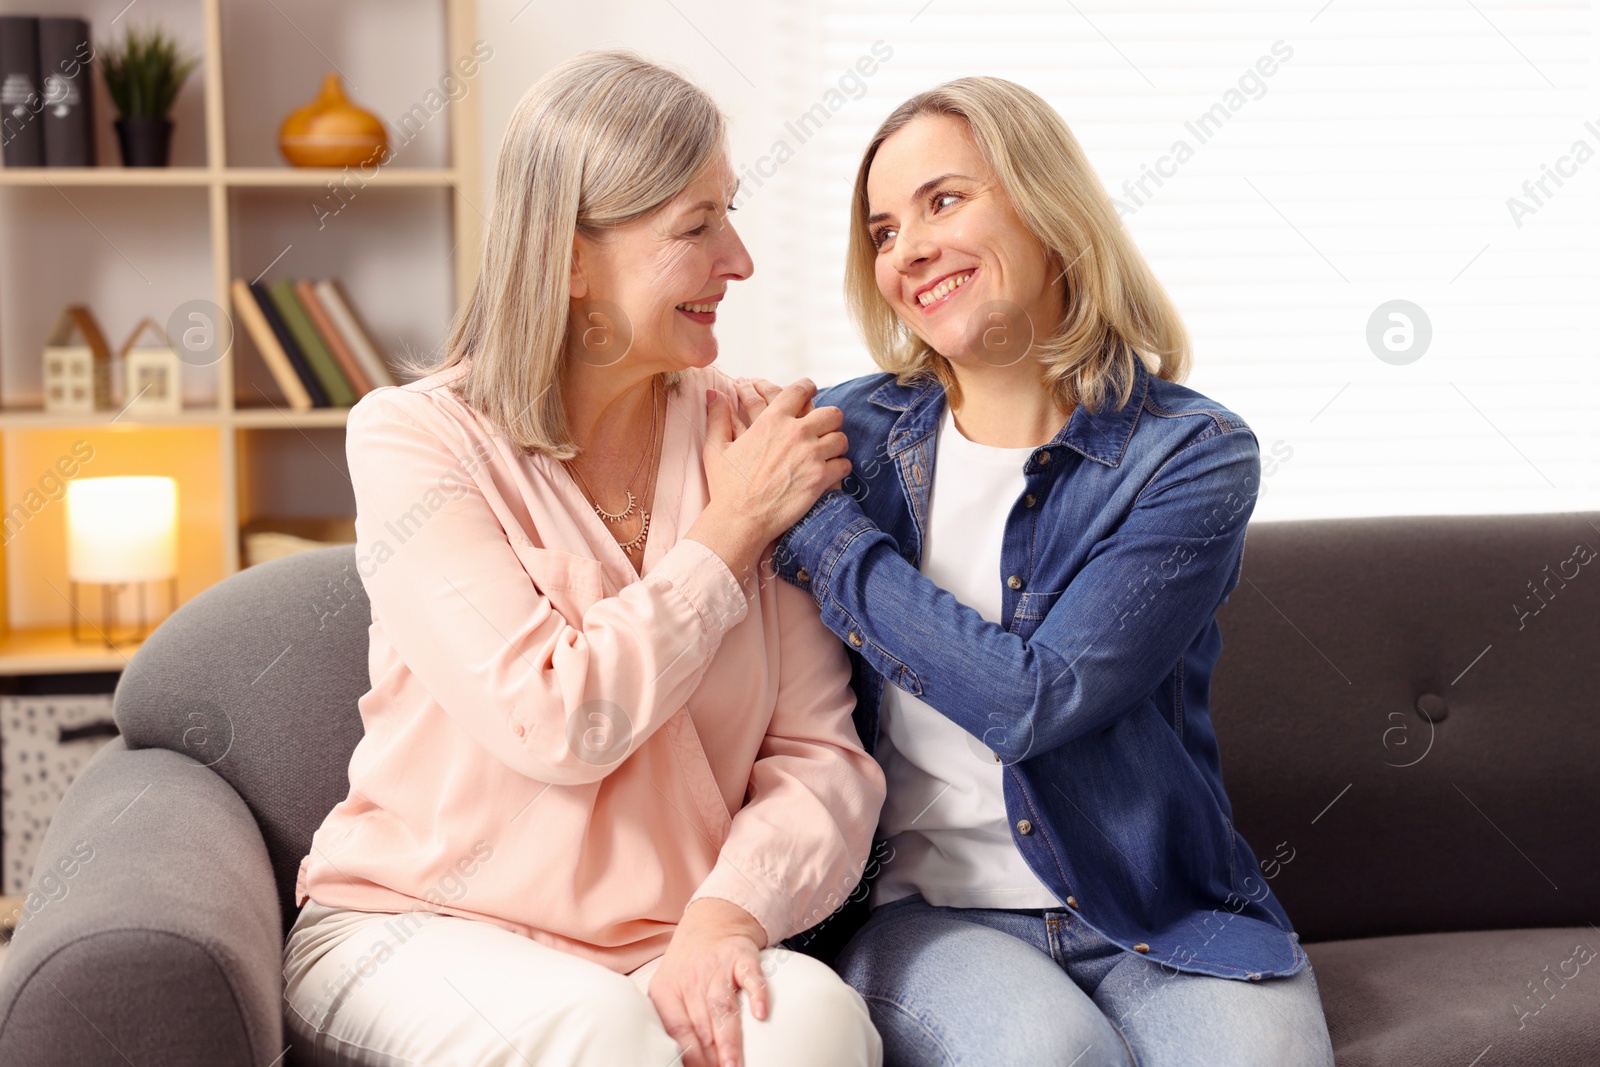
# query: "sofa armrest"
x,y
151,931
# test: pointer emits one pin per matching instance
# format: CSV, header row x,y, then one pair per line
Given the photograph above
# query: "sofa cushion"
x,y
1369,818
1489,998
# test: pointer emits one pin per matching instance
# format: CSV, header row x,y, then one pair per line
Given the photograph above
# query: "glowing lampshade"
x,y
122,529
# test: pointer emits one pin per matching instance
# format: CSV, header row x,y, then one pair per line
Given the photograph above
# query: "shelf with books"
x,y
387,248
319,354
401,239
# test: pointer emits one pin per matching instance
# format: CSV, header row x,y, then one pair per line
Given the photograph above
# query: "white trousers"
x,y
419,989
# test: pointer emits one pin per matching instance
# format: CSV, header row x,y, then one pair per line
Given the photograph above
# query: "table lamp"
x,y
121,532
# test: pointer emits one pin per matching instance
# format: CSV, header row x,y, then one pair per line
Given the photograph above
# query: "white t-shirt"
x,y
945,815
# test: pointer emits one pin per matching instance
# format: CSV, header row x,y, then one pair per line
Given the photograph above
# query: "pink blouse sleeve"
x,y
478,634
800,842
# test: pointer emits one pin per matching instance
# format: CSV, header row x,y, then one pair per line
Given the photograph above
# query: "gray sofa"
x,y
1441,870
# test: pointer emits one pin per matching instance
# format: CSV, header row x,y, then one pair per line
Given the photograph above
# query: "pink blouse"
x,y
558,745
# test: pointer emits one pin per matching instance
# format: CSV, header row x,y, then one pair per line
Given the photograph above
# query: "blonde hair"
x,y
599,141
1115,307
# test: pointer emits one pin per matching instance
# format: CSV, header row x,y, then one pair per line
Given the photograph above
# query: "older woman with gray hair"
x,y
606,769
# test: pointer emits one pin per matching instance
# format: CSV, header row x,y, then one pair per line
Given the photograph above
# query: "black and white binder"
x,y
64,55
21,101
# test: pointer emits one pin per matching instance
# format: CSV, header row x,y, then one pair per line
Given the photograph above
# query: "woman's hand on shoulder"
x,y
715,952
756,393
765,474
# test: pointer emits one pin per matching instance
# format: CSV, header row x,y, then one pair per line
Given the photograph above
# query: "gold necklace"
x,y
653,447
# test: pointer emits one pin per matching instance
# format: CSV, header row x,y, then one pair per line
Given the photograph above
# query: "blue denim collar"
x,y
1102,436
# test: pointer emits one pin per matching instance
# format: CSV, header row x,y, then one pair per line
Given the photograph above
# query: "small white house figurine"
x,y
151,375
77,377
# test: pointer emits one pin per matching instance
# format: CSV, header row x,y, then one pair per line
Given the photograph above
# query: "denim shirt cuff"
x,y
800,554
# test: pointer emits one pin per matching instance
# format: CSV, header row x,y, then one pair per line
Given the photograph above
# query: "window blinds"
x,y
1377,219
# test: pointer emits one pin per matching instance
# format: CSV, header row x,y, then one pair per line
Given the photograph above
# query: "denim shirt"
x,y
1126,540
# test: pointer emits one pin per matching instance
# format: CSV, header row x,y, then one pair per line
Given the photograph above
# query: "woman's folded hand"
x,y
715,952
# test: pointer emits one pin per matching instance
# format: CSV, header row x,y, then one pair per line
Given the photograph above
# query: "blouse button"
x,y
854,639
1141,947
1014,582
802,576
519,729
1024,827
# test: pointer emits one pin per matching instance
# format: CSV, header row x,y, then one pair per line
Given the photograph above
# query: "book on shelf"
x,y
286,342
266,342
307,292
46,92
341,394
354,335
21,96
311,341
65,55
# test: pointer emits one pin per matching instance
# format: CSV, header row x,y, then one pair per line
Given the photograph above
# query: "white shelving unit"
x,y
141,241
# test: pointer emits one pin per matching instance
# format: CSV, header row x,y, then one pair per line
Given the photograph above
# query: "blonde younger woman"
x,y
605,770
1026,565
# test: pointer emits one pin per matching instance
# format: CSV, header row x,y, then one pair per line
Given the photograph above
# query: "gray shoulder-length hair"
x,y
601,140
1116,310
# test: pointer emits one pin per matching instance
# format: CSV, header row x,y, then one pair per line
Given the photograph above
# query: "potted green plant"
x,y
143,74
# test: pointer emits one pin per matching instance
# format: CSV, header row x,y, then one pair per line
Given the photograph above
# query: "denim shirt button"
x,y
1014,582
802,576
1024,827
1072,902
1043,457
854,639
1028,500
1141,947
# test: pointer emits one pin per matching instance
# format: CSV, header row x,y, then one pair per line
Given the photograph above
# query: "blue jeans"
x,y
969,986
